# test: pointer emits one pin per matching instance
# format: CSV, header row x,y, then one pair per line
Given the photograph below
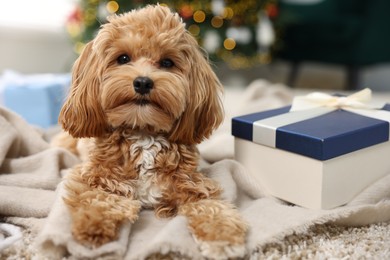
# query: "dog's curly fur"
x,y
145,155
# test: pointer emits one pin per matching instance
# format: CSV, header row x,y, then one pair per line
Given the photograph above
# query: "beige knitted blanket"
x,y
30,171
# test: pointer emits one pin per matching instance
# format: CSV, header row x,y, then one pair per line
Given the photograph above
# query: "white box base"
x,y
312,183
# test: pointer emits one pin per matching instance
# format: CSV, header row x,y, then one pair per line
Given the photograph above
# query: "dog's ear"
x,y
204,111
82,114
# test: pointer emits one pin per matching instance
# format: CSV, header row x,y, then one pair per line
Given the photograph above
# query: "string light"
x,y
112,7
79,46
228,13
217,22
194,29
229,44
199,16
89,16
73,29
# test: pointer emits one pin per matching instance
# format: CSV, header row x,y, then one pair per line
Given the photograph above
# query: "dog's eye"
x,y
123,59
167,63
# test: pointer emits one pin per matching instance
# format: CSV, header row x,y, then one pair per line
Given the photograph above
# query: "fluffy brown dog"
x,y
145,92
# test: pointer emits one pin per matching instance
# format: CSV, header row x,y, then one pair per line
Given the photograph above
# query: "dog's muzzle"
x,y
143,85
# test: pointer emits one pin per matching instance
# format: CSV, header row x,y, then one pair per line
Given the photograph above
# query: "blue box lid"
x,y
322,137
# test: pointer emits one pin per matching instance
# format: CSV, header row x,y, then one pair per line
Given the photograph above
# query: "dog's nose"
x,y
143,85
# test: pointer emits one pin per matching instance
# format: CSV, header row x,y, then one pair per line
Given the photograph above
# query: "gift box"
x,y
320,152
37,98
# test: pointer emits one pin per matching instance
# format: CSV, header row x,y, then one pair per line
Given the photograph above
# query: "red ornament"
x,y
186,11
272,10
75,16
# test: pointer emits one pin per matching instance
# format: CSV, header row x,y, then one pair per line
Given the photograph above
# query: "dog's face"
x,y
143,71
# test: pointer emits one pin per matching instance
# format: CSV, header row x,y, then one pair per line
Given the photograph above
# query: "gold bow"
x,y
358,100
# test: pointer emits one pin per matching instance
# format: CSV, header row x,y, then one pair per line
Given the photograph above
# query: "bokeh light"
x,y
199,16
217,22
194,29
229,44
112,7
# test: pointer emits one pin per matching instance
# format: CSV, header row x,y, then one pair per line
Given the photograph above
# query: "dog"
x,y
147,95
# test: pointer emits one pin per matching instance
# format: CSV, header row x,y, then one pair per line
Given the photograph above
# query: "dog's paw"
x,y
217,227
94,236
94,230
221,250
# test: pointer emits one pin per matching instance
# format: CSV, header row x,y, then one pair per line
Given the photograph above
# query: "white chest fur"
x,y
145,149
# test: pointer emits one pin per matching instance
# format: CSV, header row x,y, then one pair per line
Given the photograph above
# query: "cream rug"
x,y
30,171
327,241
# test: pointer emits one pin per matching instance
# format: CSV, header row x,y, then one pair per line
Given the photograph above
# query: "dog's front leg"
x,y
97,215
217,227
215,224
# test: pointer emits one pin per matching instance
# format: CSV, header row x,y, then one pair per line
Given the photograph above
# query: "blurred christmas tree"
x,y
239,32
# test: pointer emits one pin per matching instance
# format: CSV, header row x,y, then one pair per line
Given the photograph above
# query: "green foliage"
x,y
227,29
